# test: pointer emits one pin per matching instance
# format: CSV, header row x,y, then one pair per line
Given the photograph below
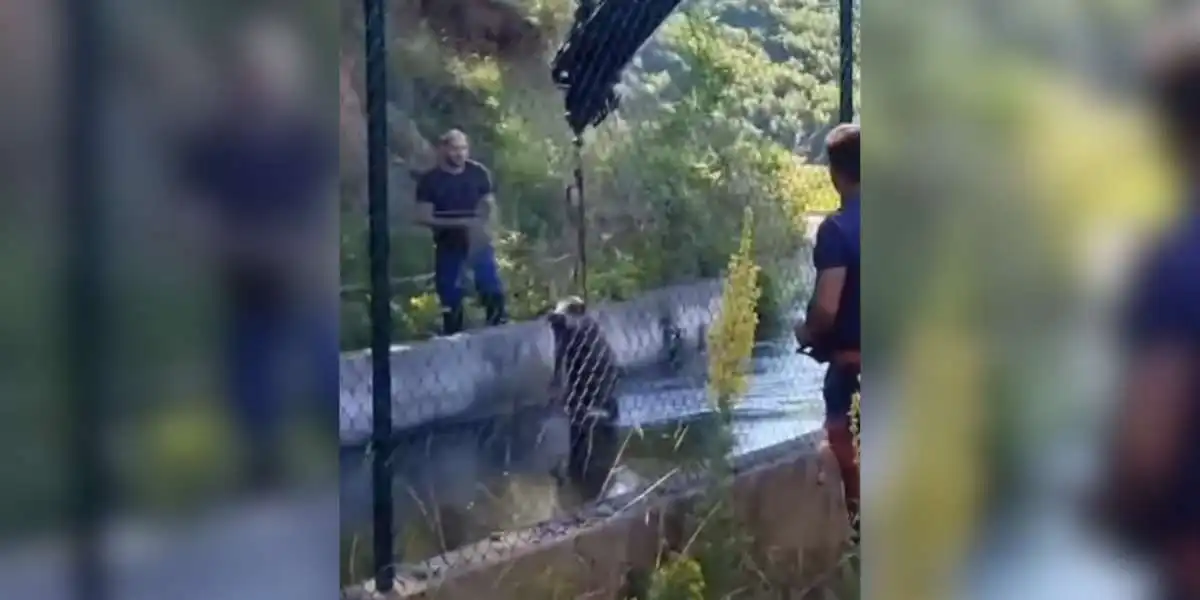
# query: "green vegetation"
x,y
717,562
719,559
720,113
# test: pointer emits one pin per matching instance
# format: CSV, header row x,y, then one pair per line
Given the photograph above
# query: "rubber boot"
x,y
493,306
452,320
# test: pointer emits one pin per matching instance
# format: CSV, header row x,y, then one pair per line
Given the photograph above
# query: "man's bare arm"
x,y
822,312
488,214
1153,413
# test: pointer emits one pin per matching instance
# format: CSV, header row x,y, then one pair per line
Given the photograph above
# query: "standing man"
x,y
831,329
457,202
259,175
1153,496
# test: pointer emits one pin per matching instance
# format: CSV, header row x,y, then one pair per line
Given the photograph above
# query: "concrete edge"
x,y
630,528
500,369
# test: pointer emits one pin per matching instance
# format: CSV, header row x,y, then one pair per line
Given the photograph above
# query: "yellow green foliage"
x,y
1101,160
856,426
680,578
944,367
732,337
803,188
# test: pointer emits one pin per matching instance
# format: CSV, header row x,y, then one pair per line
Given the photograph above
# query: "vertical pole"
x,y
581,215
846,42
86,327
381,296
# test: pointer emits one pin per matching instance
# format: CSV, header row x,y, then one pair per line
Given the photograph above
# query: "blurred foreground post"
x,y
381,296
846,75
85,328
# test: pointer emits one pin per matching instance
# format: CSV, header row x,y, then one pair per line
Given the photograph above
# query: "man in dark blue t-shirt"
x,y
262,171
832,327
1154,489
456,201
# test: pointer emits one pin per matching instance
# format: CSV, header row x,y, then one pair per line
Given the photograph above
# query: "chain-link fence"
x,y
607,258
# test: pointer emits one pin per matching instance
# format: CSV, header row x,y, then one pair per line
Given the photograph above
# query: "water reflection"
x,y
461,483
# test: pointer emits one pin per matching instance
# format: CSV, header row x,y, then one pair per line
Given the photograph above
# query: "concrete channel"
x,y
471,431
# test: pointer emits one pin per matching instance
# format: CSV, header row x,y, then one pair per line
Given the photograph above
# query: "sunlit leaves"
x,y
732,337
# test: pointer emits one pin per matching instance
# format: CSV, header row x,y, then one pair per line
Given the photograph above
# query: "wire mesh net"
x,y
697,135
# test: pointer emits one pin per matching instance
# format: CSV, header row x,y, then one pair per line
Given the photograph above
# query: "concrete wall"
x,y
497,370
797,521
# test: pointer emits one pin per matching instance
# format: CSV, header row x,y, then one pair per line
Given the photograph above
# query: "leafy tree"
x,y
720,110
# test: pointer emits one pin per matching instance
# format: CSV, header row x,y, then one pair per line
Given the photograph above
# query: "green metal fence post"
x,y
86,301
381,296
846,43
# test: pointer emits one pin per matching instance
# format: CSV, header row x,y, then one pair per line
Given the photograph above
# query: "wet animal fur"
x,y
585,367
586,376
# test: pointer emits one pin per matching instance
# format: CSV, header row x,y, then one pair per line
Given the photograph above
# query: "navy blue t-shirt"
x,y
1165,309
1165,304
259,180
262,177
454,196
839,245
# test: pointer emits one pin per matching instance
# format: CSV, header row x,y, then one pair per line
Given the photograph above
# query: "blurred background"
x,y
1013,171
139,278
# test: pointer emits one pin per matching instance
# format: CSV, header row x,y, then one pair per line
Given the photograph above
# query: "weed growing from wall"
x,y
732,337
856,426
715,560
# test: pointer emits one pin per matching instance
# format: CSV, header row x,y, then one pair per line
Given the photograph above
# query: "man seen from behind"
x,y
831,329
1153,491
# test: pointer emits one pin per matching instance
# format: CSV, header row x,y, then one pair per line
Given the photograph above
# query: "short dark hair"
x,y
842,145
1173,70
